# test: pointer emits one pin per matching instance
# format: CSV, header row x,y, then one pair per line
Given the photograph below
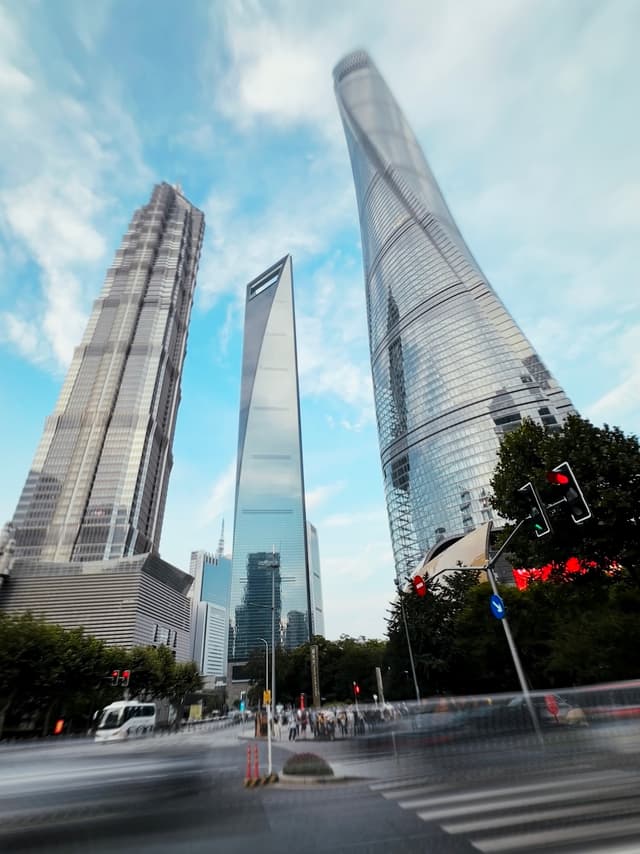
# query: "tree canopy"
x,y
606,463
47,670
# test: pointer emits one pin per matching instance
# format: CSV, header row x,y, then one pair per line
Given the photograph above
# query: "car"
x,y
499,717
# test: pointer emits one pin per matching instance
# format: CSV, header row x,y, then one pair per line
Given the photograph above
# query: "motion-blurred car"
x,y
498,717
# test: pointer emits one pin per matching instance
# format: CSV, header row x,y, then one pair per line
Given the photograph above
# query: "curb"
x,y
254,782
302,780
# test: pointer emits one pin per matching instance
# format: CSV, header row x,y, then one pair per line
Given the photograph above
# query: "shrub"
x,y
307,765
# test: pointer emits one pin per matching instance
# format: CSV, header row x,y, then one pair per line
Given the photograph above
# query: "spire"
x,y
220,551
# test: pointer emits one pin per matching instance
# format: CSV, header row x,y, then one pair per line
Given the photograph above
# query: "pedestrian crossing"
x,y
587,810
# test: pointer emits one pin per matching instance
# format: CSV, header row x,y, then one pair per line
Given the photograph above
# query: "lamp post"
x,y
410,648
266,682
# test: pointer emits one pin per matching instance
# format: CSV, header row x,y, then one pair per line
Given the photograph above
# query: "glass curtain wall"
x,y
452,372
269,562
98,484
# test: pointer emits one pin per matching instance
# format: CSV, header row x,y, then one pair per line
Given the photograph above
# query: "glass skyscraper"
x,y
269,563
452,372
317,610
98,484
210,610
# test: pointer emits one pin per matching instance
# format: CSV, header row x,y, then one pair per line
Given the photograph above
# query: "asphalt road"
x,y
186,793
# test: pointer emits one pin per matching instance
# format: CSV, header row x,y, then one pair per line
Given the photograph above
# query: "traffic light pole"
x,y
410,648
266,685
507,630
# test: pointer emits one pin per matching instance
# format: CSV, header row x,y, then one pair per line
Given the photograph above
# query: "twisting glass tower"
x,y
98,484
270,587
452,372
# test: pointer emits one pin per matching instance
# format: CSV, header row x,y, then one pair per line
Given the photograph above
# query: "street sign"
x,y
266,698
497,606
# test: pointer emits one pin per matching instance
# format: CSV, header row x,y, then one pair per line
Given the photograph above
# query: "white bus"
x,y
126,719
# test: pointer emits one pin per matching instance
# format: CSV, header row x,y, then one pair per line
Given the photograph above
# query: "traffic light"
x,y
115,676
356,688
537,512
563,478
124,679
418,585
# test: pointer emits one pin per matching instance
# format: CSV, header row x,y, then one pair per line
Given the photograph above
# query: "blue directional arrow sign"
x,y
497,607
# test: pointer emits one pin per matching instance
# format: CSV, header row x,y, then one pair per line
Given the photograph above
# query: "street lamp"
x,y
266,682
410,648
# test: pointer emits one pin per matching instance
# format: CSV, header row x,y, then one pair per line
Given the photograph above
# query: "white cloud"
x,y
240,242
60,169
221,497
368,520
358,568
621,403
278,58
318,496
23,336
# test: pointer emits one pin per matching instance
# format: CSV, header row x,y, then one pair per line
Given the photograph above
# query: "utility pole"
x,y
409,647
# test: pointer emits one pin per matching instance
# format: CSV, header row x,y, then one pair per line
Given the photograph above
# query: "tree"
x,y
607,466
432,626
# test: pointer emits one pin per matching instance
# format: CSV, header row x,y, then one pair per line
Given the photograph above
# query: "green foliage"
x,y
607,466
431,621
47,671
341,663
307,765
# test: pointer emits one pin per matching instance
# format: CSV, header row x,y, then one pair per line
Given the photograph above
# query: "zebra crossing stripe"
x,y
514,803
504,791
585,833
619,807
402,782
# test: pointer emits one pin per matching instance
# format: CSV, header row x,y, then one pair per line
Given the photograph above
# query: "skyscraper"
x,y
88,523
98,484
210,610
269,563
317,609
452,372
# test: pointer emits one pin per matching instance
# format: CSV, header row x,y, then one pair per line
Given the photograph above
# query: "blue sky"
x,y
527,112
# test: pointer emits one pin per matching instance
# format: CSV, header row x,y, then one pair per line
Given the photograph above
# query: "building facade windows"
x,y
270,570
452,372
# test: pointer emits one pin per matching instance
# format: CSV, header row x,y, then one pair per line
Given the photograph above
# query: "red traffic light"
x,y
557,478
115,675
418,585
356,688
125,677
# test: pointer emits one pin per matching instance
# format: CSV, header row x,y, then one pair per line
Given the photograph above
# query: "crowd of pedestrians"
x,y
330,723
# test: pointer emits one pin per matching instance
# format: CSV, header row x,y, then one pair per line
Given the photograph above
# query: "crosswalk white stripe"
x,y
476,795
401,782
586,832
529,800
620,806
423,790
628,848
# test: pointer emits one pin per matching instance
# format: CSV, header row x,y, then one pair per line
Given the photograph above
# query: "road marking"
x,y
585,833
617,807
476,795
510,803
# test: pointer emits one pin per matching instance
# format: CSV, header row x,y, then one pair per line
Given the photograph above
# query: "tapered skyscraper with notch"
x,y
270,566
452,372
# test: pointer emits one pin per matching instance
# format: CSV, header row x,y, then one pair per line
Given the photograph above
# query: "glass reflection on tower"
x,y
269,564
452,372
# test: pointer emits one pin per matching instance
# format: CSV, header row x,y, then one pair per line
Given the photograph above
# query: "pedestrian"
x,y
293,728
276,727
